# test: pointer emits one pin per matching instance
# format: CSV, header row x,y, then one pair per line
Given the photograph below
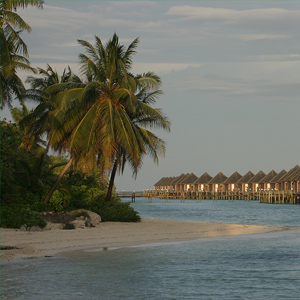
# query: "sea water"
x,y
258,266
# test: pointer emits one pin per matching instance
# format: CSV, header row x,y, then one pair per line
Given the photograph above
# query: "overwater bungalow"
x,y
188,182
296,182
243,184
230,183
158,185
201,184
254,181
287,181
266,182
275,182
282,181
178,186
171,185
216,183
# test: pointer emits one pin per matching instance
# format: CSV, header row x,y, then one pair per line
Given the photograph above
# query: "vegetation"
x,y
14,53
97,122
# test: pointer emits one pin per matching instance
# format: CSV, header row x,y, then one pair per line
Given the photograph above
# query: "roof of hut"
x,y
171,180
204,178
246,177
296,176
257,177
219,178
289,175
268,177
179,178
233,178
190,178
278,177
160,181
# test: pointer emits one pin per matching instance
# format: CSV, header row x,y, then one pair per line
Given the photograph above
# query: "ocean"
x,y
259,266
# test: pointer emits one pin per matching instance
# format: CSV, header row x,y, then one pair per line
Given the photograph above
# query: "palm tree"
x,y
28,141
14,53
100,118
41,117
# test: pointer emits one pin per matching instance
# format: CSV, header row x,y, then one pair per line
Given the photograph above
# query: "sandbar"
x,y
114,234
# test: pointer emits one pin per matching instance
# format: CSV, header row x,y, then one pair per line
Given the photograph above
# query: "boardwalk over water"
x,y
271,196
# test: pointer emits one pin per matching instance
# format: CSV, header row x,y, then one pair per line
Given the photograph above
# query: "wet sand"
x,y
114,234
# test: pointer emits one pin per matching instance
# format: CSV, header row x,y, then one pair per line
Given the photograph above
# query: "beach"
x,y
115,234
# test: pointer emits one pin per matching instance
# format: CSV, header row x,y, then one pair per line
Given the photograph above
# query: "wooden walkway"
x,y
131,195
272,197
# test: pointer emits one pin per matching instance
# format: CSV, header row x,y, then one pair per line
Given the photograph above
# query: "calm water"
x,y
260,266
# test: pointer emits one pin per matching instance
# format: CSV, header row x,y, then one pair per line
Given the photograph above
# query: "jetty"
x,y
131,195
271,197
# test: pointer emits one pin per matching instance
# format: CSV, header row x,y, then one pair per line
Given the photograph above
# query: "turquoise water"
x,y
260,266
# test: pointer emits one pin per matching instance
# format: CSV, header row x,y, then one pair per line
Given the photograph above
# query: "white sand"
x,y
110,234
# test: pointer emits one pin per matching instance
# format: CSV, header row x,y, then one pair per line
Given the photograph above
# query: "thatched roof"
x,y
205,178
159,182
290,174
278,177
189,179
296,176
234,178
246,177
219,178
257,177
268,177
179,178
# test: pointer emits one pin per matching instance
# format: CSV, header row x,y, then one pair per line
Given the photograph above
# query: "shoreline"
x,y
34,244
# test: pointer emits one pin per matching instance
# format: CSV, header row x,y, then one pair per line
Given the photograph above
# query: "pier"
x,y
131,195
271,196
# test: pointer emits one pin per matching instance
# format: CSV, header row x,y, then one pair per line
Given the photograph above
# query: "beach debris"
x,y
8,247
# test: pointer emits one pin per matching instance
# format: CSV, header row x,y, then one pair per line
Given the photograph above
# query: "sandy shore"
x,y
109,234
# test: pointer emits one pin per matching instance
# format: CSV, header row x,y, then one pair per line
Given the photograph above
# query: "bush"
x,y
115,211
41,207
69,226
31,218
16,216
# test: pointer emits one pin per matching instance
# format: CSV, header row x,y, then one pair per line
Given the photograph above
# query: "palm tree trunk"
x,y
111,182
46,150
51,191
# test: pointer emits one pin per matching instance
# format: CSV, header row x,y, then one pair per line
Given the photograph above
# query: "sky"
x,y
230,75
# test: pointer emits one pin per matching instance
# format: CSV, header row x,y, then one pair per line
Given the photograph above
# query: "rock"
x,y
79,224
52,226
91,219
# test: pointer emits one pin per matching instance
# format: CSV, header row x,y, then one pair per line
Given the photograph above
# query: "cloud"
x,y
231,16
217,86
256,37
163,68
275,57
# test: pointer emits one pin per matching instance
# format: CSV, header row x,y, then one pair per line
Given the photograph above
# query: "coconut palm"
x,y
14,53
41,117
100,119
28,141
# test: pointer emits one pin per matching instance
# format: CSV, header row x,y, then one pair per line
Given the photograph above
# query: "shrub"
x,y
69,226
31,218
16,216
115,211
41,207
57,200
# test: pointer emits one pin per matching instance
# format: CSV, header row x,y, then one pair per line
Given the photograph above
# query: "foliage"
x,y
14,52
102,122
102,119
117,212
15,216
69,226
11,138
